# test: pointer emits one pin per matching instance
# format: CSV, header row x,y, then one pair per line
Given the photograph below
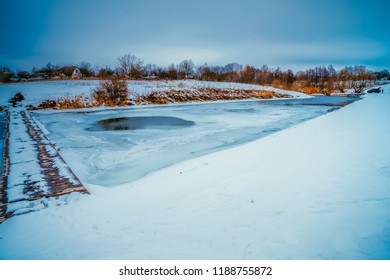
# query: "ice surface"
x,y
116,157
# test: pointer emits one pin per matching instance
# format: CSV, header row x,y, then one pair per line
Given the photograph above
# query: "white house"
x,y
76,74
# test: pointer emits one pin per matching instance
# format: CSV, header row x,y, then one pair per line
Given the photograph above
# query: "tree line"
x,y
321,79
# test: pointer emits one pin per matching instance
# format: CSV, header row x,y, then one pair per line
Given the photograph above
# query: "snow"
x,y
317,190
27,189
21,163
36,92
2,132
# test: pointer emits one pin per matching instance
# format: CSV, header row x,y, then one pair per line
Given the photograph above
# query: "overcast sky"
x,y
290,34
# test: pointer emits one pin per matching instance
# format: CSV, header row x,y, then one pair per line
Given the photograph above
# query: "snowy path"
x,y
35,171
5,166
319,190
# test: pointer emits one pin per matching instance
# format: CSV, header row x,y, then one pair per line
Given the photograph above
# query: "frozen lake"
x,y
114,146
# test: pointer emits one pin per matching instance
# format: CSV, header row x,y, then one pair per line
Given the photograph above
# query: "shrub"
x,y
75,102
17,98
48,104
264,94
31,107
111,92
311,90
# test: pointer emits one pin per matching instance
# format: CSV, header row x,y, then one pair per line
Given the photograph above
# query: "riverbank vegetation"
x,y
115,92
321,79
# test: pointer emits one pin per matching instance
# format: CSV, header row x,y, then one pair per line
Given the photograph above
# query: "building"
x,y
76,74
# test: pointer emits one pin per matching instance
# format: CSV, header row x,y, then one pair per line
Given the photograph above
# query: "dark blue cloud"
x,y
275,32
23,24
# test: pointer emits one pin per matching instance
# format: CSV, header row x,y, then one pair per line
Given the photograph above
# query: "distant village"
x,y
57,73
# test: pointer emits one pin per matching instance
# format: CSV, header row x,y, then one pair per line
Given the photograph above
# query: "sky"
x,y
292,34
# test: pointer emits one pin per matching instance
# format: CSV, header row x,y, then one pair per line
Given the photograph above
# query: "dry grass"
x,y
65,103
310,90
159,97
113,92
205,94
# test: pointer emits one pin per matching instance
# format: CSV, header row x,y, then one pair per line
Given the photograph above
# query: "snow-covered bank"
x,y
316,191
36,92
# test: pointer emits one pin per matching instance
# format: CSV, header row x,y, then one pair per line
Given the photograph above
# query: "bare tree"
x,y
187,68
233,67
150,70
360,78
105,73
113,92
6,74
130,66
86,69
248,74
172,72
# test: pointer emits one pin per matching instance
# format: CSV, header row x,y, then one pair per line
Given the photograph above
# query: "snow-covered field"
x,y
318,190
36,92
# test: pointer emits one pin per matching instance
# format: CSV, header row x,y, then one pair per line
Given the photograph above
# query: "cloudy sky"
x,y
287,33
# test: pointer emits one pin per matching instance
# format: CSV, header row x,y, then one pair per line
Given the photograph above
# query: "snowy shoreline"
x,y
36,92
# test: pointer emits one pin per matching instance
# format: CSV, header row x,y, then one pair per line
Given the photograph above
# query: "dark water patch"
x,y
133,123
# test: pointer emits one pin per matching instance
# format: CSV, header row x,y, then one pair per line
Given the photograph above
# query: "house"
x,y
76,74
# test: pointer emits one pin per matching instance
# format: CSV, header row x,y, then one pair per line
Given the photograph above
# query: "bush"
x,y
31,107
311,90
65,103
6,75
17,98
76,102
111,92
48,104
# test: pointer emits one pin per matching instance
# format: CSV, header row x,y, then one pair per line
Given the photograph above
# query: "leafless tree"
x,y
151,70
186,67
130,66
233,67
86,69
359,78
113,92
